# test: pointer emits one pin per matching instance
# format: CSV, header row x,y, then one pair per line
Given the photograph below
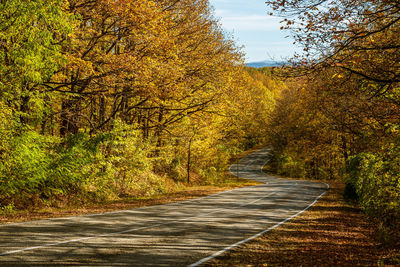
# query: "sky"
x,y
253,28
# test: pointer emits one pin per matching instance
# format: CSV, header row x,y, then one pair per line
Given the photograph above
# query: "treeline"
x,y
108,98
340,115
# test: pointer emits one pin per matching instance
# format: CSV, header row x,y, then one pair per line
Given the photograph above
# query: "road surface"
x,y
186,233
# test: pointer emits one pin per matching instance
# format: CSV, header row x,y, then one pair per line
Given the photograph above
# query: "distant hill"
x,y
266,63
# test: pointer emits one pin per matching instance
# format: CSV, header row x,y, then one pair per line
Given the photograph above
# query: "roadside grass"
x,y
331,233
175,194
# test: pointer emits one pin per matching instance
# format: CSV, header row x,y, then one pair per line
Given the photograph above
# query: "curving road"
x,y
179,234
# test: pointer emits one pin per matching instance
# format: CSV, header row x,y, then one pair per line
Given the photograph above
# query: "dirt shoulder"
x,y
331,233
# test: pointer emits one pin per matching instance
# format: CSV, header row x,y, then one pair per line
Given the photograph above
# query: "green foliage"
x,y
126,161
30,32
290,167
32,35
376,178
7,209
81,167
33,165
101,99
74,164
25,165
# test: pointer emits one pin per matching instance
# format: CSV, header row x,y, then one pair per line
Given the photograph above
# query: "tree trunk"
x,y
188,160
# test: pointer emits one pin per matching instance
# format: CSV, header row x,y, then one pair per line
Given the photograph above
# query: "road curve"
x,y
179,234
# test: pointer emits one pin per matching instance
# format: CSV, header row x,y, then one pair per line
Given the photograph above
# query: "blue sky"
x,y
251,26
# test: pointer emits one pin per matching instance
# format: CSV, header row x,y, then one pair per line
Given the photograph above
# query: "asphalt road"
x,y
179,234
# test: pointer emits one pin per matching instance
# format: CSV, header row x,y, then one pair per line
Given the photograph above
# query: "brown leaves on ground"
x,y
331,233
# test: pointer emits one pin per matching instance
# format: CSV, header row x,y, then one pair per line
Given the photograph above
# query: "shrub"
x,y
290,166
376,178
25,165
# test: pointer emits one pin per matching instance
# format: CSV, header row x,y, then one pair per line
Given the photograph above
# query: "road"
x,y
179,234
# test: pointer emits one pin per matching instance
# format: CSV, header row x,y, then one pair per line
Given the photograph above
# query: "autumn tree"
x,y
106,98
352,73
109,62
356,37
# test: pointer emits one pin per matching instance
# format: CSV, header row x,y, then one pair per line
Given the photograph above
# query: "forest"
x,y
339,117
101,99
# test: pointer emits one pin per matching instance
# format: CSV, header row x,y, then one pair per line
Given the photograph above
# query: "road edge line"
x,y
259,234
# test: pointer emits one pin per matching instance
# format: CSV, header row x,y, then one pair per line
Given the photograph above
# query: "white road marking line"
x,y
135,229
256,235
130,210
176,221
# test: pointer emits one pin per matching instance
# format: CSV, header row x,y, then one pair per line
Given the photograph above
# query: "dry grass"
x,y
331,233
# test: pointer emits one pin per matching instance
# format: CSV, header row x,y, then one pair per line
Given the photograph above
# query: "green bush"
x,y
376,178
289,166
125,157
76,163
41,167
25,165
36,168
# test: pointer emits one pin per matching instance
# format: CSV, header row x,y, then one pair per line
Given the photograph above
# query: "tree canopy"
x,y
343,108
101,99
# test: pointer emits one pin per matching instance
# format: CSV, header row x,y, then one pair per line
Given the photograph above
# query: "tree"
x,y
357,37
31,37
351,62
